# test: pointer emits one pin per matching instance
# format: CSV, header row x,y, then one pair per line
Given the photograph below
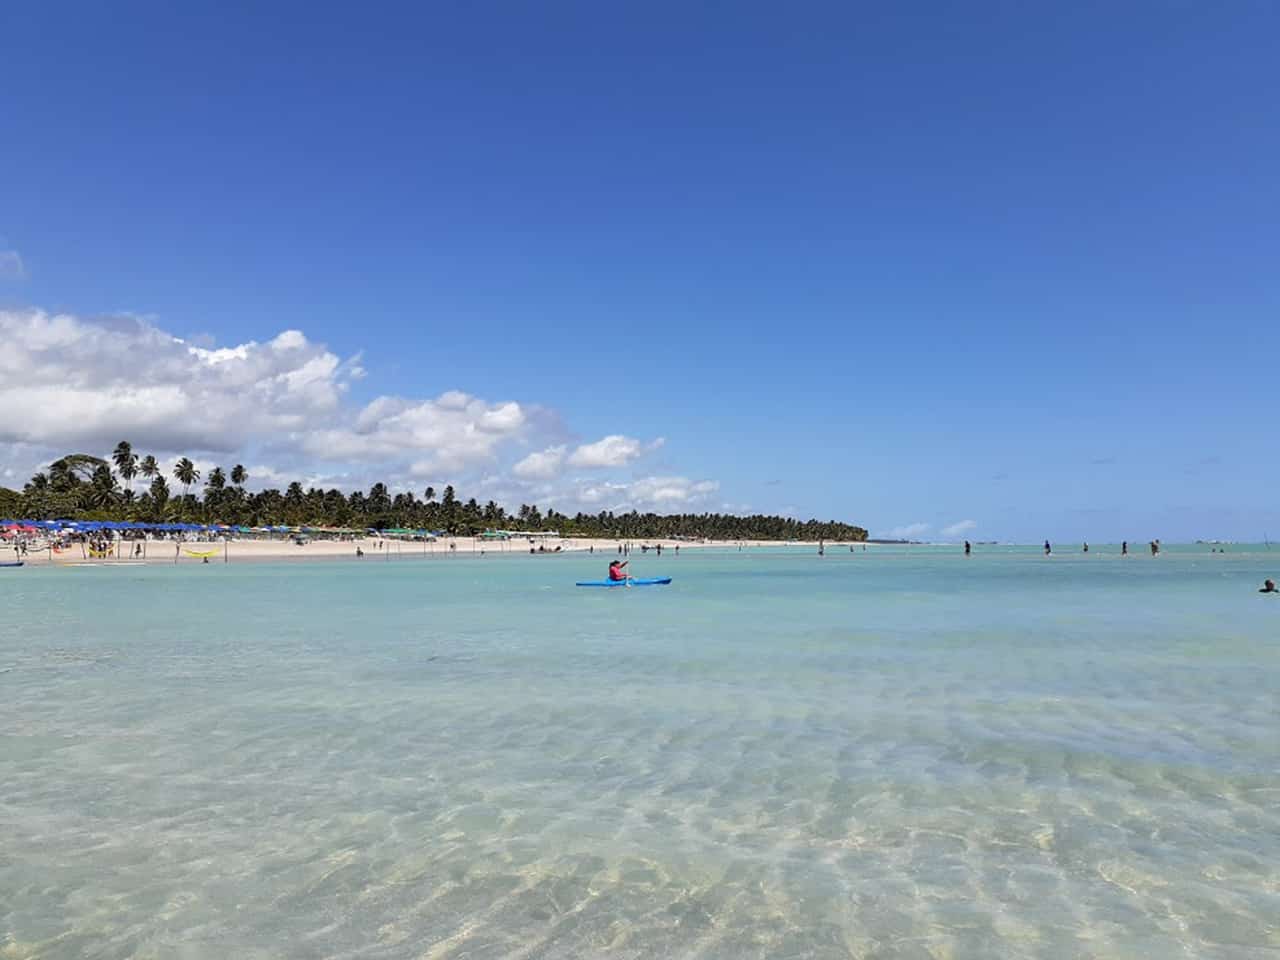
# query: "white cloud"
x,y
542,465
959,528
67,382
453,432
611,451
282,406
11,265
653,493
909,531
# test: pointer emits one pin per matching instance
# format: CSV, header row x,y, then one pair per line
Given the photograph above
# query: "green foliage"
x,y
10,502
79,486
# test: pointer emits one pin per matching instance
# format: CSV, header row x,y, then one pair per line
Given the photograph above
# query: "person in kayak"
x,y
616,573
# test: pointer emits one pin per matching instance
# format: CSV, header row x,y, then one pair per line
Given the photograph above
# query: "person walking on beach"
x,y
967,548
1047,549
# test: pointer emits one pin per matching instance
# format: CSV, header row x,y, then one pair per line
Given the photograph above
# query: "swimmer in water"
x,y
1269,586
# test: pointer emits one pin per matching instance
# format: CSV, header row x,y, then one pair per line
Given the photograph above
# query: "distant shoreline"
x,y
160,552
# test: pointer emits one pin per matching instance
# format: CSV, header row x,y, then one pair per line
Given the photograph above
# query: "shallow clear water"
x,y
898,753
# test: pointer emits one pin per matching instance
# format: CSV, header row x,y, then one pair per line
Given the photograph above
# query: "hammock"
x,y
101,553
201,554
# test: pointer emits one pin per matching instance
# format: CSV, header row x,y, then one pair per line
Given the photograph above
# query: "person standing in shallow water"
x,y
1269,586
1124,548
967,548
1047,549
1086,548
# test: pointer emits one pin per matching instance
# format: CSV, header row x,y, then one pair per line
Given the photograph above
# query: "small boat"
x,y
632,582
13,563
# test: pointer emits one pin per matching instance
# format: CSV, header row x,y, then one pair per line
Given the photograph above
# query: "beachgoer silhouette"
x,y
968,549
1124,548
1047,549
1269,586
1086,548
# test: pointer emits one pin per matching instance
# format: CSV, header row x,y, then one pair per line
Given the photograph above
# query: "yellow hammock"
x,y
100,553
201,555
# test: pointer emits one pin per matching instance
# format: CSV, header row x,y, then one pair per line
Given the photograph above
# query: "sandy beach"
x,y
374,550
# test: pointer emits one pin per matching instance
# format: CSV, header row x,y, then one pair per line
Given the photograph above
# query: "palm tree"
x,y
126,462
101,493
214,484
159,496
238,476
149,468
185,472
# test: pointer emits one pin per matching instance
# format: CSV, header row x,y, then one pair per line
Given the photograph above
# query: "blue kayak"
x,y
634,581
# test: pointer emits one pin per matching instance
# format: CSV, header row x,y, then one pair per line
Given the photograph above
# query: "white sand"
x,y
241,551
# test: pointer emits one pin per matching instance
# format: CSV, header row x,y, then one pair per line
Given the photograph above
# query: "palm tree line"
x,y
81,486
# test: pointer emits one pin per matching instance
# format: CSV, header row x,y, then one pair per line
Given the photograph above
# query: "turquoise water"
x,y
898,753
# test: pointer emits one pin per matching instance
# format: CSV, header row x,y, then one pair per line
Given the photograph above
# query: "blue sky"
x,y
907,266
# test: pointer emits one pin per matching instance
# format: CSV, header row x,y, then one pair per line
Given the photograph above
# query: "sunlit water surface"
x,y
897,753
